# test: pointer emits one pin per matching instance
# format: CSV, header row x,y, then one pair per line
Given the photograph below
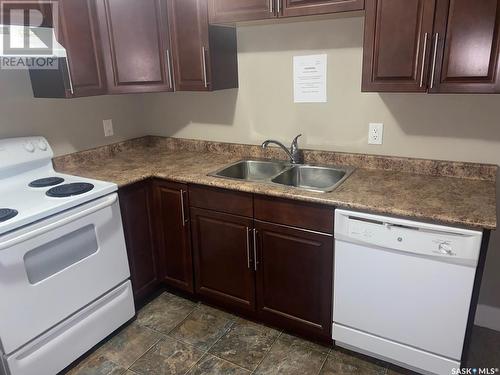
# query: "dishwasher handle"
x,y
407,236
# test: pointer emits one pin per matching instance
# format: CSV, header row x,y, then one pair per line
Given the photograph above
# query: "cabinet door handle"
x,y
69,77
433,75
424,55
255,262
183,213
169,70
204,59
248,248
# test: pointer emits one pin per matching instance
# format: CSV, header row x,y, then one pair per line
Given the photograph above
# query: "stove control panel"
x,y
23,151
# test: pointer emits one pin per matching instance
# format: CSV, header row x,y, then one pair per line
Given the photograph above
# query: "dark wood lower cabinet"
x,y
294,278
276,273
135,204
172,232
224,270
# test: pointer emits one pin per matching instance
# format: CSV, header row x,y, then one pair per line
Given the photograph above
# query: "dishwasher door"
x,y
403,287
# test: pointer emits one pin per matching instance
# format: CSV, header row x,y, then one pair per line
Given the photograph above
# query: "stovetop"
x,y
30,189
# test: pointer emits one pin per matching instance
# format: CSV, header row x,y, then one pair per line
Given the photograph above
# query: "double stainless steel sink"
x,y
308,177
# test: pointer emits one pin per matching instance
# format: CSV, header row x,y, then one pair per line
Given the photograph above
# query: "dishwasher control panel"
x,y
408,236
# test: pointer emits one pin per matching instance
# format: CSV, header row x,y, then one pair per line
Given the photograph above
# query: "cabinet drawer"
x,y
294,213
222,200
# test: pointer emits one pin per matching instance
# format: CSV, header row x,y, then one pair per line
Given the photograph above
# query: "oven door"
x,y
54,268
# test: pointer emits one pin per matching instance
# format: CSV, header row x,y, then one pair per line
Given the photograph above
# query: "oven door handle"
x,y
37,232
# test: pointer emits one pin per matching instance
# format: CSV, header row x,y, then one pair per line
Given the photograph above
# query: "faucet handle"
x,y
296,141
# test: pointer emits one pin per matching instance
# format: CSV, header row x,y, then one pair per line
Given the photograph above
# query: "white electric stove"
x,y
64,273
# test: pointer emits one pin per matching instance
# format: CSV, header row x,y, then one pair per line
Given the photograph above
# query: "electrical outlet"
x,y
375,134
108,128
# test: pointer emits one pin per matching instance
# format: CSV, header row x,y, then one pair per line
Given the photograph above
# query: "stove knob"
x,y
29,146
42,145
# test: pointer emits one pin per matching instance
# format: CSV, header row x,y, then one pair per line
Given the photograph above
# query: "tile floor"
x,y
173,335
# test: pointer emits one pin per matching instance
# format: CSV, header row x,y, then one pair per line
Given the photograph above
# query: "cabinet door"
x,y
136,216
294,278
81,38
467,39
289,8
397,45
189,29
223,261
173,234
136,44
223,11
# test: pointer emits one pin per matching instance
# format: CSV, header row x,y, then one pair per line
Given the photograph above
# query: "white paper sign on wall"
x,y
309,78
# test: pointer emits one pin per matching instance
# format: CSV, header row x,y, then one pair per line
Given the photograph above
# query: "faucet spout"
x,y
293,153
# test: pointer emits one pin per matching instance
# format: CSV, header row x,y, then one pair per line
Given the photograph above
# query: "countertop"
x,y
466,202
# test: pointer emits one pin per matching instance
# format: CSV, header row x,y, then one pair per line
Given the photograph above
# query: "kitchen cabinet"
x,y
466,34
294,278
136,42
204,56
135,204
397,45
172,232
436,46
266,257
82,73
291,8
223,251
227,11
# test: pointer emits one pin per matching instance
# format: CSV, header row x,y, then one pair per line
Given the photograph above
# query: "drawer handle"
x,y
248,247
255,249
424,54
436,43
183,213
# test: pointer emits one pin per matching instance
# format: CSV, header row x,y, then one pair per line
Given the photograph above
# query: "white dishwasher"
x,y
402,289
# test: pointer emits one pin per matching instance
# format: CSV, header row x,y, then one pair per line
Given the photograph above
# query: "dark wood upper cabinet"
x,y
223,263
228,11
294,278
82,73
291,8
172,229
135,204
81,38
466,34
397,45
135,39
204,56
223,11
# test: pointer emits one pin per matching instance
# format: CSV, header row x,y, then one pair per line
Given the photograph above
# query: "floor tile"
x,y
290,355
245,344
128,345
340,362
97,365
484,349
211,365
394,370
203,327
165,312
169,356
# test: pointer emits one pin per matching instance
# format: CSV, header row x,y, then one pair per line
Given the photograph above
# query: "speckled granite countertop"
x,y
461,194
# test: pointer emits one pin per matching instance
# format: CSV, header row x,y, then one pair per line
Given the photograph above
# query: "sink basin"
x,y
321,179
252,170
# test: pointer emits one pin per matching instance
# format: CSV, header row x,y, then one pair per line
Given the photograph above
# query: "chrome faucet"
x,y
294,152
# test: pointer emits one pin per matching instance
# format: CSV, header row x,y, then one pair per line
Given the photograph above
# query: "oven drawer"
x,y
53,268
63,344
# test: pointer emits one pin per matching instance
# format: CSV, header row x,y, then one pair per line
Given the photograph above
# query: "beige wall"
x,y
69,125
456,127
